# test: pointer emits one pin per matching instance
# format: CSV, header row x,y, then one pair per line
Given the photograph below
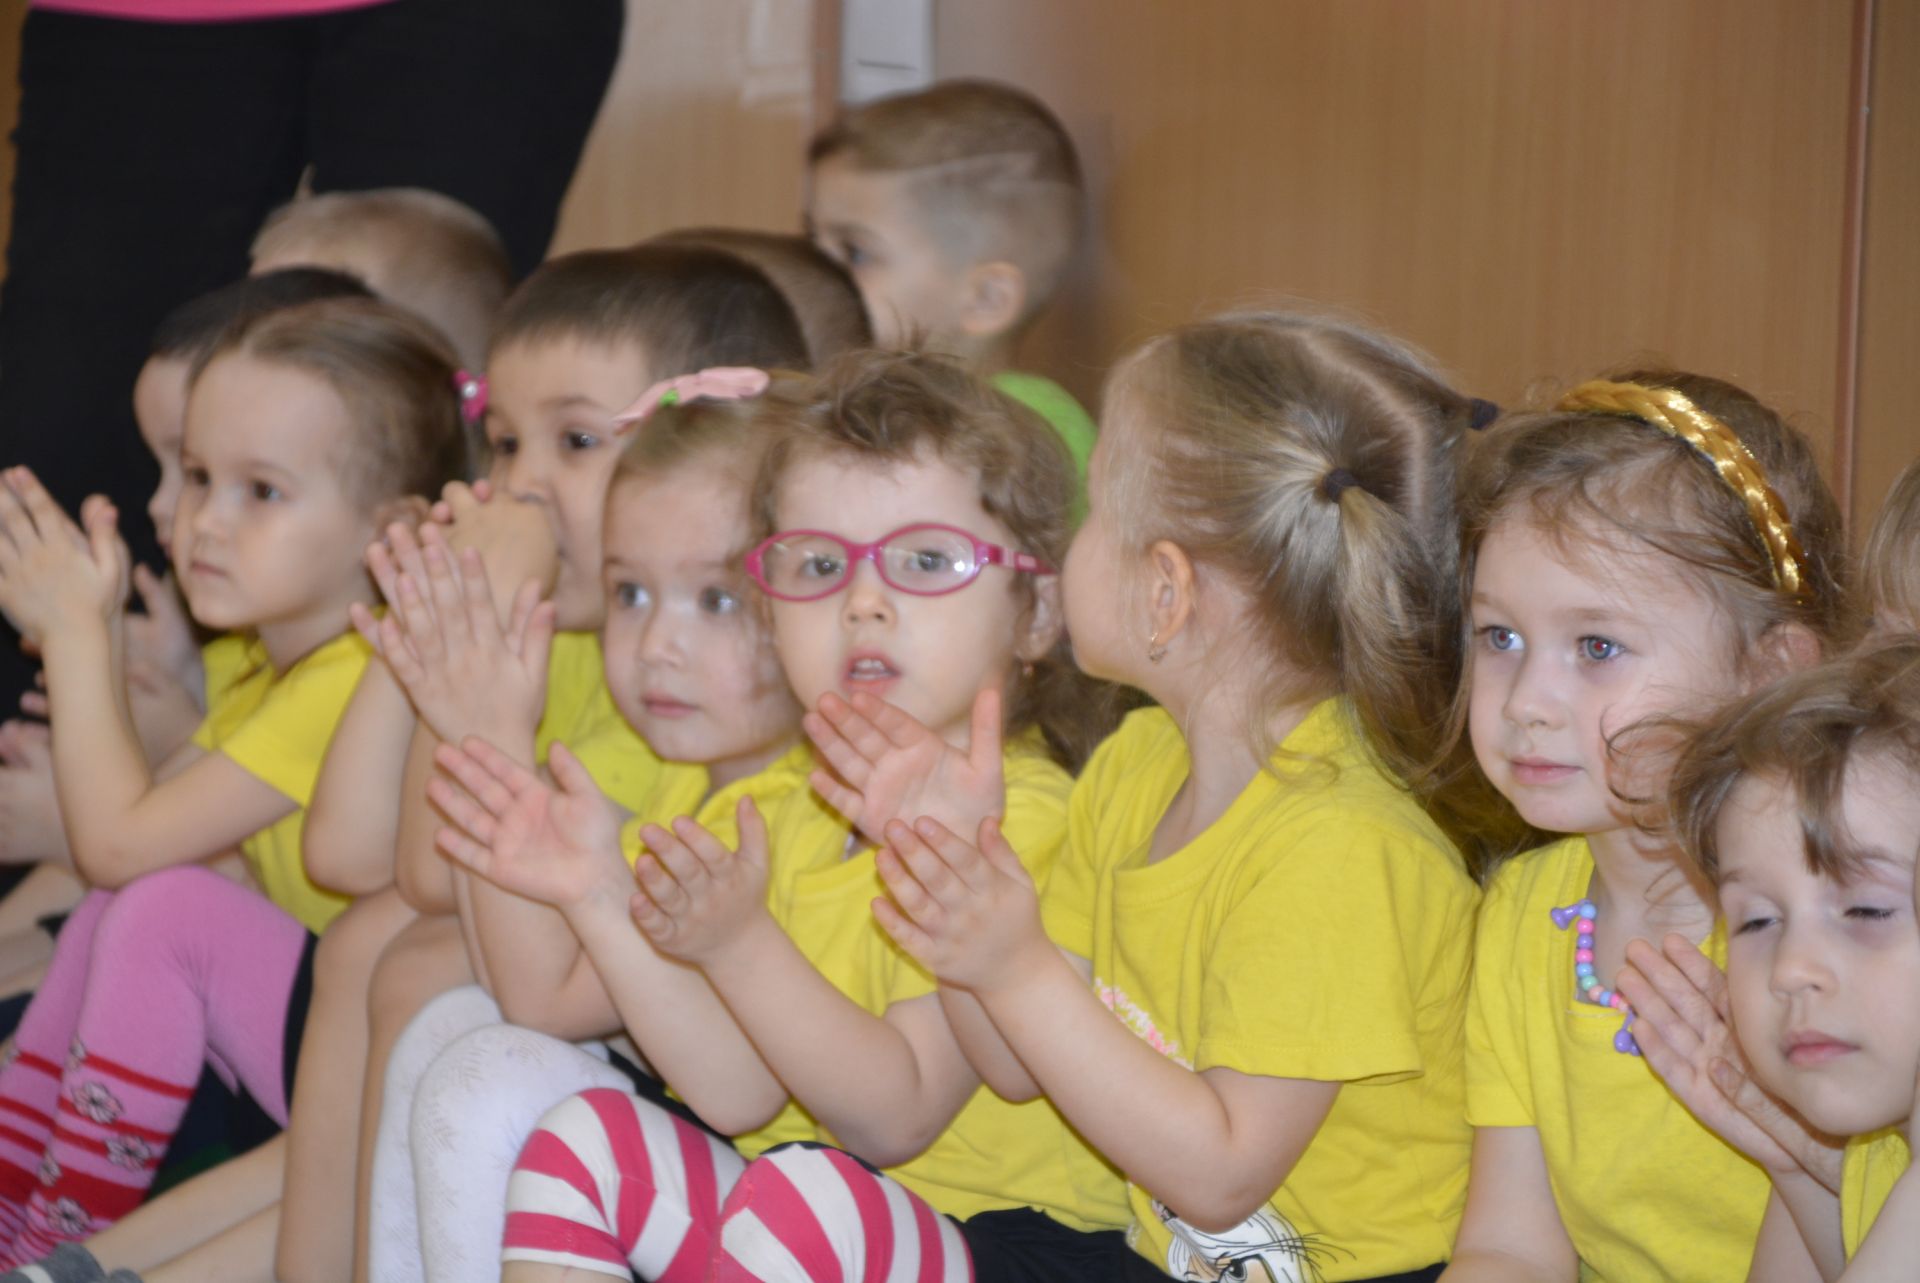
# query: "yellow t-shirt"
x,y
1644,1191
580,713
1320,929
1872,1164
277,727
225,660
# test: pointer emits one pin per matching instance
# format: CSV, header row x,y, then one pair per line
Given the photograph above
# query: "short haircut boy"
x,y
687,306
418,248
993,171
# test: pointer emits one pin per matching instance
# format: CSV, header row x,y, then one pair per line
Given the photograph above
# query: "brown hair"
x,y
1574,470
823,297
686,306
1890,567
418,248
393,372
891,408
1803,732
1311,462
993,171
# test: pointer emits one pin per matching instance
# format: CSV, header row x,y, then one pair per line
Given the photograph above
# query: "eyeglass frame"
x,y
984,554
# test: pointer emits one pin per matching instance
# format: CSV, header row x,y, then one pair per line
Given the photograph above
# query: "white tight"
x,y
463,1093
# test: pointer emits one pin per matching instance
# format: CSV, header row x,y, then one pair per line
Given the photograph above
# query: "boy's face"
x,y
1824,976
870,224
160,408
550,408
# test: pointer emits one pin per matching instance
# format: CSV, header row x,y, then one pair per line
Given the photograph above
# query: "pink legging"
x,y
177,969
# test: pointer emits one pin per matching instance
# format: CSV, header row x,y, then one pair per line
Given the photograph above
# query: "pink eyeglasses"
x,y
925,560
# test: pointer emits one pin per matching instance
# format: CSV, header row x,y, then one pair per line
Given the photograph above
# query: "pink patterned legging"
x,y
178,969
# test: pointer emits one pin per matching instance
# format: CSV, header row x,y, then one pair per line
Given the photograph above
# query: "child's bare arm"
x,y
66,586
1511,1231
558,844
353,821
706,905
1214,1143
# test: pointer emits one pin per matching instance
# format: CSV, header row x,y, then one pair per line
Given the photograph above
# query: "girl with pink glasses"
x,y
911,519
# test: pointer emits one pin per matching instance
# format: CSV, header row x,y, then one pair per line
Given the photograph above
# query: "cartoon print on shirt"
x,y
1264,1248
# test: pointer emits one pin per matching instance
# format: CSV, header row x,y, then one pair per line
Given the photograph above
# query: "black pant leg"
x,y
488,101
147,154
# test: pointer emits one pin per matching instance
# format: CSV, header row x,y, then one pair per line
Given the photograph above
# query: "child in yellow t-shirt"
x,y
1617,581
1800,805
691,668
178,965
912,517
1244,981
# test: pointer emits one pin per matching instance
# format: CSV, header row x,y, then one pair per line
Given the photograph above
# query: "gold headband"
x,y
1674,414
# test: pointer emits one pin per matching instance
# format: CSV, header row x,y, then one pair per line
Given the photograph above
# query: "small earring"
x,y
1155,651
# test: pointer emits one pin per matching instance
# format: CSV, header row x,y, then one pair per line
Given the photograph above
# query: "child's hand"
x,y
557,844
969,914
1681,1023
162,640
514,538
53,573
30,825
696,897
890,767
446,646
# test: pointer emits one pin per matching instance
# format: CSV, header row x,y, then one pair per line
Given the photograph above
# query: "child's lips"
x,y
869,671
1540,770
1808,1048
666,706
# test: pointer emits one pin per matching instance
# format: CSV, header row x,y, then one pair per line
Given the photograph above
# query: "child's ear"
x,y
1170,591
409,509
1045,620
1782,649
996,296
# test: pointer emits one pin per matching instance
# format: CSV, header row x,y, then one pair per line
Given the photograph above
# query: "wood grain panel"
x,y
1530,191
1888,434
706,122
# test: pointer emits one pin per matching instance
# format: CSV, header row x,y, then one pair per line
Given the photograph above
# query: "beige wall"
x,y
1531,191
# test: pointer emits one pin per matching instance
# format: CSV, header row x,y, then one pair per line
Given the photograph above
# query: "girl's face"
x,y
550,408
265,533
928,655
688,661
1568,652
160,408
1824,975
1096,580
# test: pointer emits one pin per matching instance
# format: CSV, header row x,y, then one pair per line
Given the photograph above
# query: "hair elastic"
x,y
1673,413
1480,413
1337,483
715,383
473,395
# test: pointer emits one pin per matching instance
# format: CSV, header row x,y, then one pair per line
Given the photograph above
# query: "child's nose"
x,y
868,598
1798,962
1530,700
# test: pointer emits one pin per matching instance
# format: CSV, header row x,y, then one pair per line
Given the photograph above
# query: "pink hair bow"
x,y
473,395
716,383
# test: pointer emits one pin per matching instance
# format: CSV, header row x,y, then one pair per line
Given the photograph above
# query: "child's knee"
x,y
353,942
162,909
416,967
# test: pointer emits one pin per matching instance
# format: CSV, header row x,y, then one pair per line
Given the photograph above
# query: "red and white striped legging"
x,y
615,1184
